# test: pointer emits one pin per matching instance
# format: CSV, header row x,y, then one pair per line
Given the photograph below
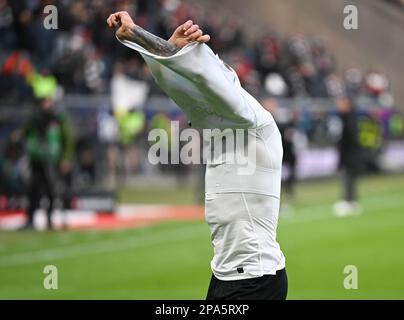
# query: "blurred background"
x,y
76,108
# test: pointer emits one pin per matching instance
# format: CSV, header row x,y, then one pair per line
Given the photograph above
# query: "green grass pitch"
x,y
171,260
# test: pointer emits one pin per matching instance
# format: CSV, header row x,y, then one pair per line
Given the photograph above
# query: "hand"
x,y
187,33
123,22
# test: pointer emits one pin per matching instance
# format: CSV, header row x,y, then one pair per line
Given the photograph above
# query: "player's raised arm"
x,y
192,75
128,30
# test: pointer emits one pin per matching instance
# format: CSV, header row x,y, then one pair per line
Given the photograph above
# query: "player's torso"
x,y
242,204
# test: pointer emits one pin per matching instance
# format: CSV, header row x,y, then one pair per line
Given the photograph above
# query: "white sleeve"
x,y
195,76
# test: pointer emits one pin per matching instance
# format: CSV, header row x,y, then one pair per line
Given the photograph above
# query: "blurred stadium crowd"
x,y
83,55
112,100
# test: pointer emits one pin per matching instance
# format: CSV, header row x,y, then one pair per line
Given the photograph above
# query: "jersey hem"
x,y
244,276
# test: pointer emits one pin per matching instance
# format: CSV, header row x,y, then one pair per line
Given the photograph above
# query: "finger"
x,y
187,25
112,20
121,15
179,30
116,19
204,38
109,21
191,30
195,35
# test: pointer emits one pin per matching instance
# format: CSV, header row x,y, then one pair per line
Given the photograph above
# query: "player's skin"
x,y
183,35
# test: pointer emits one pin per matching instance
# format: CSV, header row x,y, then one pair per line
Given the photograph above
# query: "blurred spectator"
x,y
7,34
351,157
353,79
15,71
13,170
288,131
49,146
376,82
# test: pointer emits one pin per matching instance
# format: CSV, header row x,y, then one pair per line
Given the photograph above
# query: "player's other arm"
x,y
128,30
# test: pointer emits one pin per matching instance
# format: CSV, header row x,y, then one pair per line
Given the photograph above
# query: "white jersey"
x,y
241,208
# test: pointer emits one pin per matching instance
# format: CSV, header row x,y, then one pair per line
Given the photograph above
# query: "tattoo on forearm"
x,y
153,43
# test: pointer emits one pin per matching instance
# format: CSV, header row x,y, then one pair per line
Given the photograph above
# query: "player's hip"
x,y
247,263
266,287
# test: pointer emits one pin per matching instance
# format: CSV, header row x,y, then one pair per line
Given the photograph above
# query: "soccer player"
x,y
241,209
